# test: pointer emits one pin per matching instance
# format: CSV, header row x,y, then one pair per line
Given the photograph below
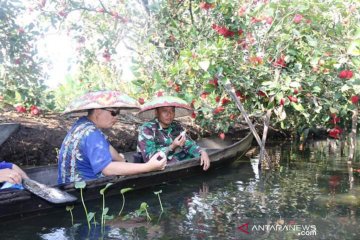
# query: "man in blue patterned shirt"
x,y
86,153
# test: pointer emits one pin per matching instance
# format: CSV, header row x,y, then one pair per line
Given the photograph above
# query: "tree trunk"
x,y
239,105
263,157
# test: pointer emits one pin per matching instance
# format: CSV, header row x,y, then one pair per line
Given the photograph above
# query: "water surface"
x,y
315,194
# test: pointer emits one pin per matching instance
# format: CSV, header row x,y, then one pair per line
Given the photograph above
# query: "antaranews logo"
x,y
298,229
244,228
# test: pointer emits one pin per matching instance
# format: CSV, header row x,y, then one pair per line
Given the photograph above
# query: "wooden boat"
x,y
6,130
22,203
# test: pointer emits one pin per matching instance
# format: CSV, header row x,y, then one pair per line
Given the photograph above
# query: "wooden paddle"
x,y
50,194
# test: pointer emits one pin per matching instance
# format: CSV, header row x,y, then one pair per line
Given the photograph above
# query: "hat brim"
x,y
149,113
102,99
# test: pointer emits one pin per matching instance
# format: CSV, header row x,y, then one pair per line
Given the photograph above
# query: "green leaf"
x,y
80,185
144,205
103,190
158,192
297,107
204,65
90,216
124,190
354,48
69,208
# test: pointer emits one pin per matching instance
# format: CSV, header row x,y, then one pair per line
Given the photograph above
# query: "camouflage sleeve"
x,y
145,145
192,148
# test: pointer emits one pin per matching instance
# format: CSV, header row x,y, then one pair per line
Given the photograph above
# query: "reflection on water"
x,y
314,195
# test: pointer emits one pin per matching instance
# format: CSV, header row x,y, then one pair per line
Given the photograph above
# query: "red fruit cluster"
x,y
20,109
214,82
346,74
355,99
219,110
222,30
34,110
335,132
206,6
217,99
280,62
293,99
141,101
225,101
204,95
193,115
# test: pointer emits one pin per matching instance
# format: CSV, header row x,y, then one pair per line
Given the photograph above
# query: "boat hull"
x,y
22,203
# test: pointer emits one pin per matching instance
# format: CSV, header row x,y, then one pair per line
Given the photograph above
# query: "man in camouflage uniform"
x,y
164,134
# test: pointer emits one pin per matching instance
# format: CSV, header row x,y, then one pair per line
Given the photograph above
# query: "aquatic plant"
x,y
104,209
122,191
81,185
69,209
143,208
158,194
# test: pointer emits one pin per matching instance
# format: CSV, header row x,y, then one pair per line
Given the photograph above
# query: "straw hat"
x,y
182,108
101,99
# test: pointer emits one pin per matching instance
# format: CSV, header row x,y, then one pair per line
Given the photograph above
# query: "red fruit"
x,y
177,88
34,110
225,101
355,99
106,55
282,101
293,99
222,136
296,91
334,133
217,99
280,62
269,20
297,18
206,6
232,116
219,110
204,95
20,109
141,101
193,115
261,93
346,74
159,93
214,82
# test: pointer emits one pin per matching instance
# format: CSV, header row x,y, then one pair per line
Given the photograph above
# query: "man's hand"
x,y
179,141
10,175
204,160
157,162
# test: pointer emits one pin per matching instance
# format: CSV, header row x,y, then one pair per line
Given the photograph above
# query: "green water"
x,y
311,196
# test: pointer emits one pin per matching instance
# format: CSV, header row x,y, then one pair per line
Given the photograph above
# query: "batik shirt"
x,y
153,138
84,153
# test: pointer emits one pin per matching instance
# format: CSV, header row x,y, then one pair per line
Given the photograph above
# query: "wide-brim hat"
x,y
102,99
182,108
